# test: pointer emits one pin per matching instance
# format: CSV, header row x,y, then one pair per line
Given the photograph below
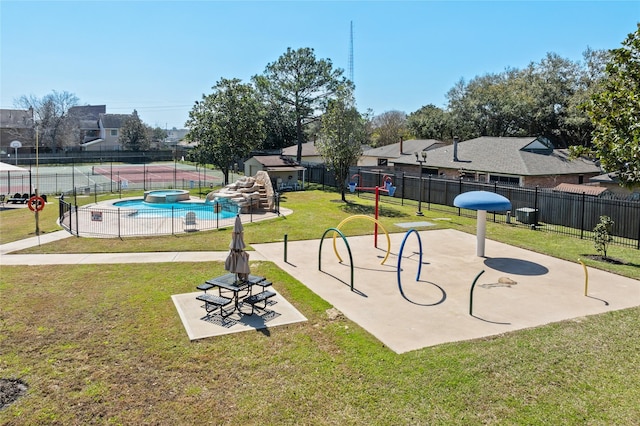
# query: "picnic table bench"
x,y
205,286
254,299
214,303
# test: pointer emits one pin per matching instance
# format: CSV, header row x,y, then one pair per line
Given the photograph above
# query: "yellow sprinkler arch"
x,y
362,216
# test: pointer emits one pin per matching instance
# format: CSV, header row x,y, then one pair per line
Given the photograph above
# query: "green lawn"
x,y
103,344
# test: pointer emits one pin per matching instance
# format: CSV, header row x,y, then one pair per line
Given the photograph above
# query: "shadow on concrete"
x,y
516,266
442,299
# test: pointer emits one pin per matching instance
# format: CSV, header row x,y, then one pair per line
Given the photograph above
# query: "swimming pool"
x,y
203,210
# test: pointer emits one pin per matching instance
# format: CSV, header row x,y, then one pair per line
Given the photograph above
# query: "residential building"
x,y
523,161
16,125
310,154
108,132
402,151
87,119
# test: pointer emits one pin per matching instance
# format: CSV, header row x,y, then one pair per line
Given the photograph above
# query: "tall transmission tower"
x,y
351,54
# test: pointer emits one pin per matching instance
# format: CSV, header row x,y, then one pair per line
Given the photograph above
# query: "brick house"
x,y
522,161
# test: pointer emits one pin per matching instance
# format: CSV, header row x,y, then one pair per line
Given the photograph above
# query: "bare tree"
x,y
55,129
389,127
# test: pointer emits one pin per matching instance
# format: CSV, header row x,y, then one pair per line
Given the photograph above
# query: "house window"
x,y
382,162
509,180
114,132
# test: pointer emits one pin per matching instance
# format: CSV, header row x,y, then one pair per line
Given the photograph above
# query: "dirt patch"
x,y
11,390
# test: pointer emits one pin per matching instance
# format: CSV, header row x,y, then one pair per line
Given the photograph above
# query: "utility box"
x,y
527,215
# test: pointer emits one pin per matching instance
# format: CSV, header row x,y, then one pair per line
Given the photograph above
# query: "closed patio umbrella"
x,y
238,260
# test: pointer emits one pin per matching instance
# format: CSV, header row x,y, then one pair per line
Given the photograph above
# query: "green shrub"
x,y
602,235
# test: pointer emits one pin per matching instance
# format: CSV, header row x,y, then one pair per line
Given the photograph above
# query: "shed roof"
x,y
275,161
581,189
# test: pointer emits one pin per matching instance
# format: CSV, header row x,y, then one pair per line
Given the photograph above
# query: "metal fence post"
x,y
429,192
286,237
535,205
582,216
77,222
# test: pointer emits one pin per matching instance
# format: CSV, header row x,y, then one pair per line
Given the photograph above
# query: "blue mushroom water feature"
x,y
482,201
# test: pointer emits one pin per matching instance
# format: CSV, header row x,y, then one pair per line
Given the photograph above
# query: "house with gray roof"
x,y
16,125
310,154
384,156
522,161
108,132
87,112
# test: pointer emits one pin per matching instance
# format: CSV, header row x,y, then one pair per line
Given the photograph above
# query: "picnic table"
x,y
235,292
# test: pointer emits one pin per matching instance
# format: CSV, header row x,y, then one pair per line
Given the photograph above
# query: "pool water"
x,y
180,209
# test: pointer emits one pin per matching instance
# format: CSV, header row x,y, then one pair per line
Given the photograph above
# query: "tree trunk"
x,y
299,136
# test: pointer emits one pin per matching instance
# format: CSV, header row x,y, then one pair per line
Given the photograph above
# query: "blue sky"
x,y
159,57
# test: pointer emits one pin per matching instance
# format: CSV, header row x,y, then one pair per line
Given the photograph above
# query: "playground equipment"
x,y
481,201
409,232
388,188
362,216
471,292
336,231
586,283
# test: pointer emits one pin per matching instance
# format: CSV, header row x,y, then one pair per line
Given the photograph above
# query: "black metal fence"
x,y
99,220
537,208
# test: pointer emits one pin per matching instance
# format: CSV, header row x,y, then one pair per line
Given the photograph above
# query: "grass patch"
x,y
114,350
103,344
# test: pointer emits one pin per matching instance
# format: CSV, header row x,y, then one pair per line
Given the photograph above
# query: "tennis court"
x,y
108,178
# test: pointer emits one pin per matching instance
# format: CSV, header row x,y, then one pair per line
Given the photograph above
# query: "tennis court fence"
x,y
84,180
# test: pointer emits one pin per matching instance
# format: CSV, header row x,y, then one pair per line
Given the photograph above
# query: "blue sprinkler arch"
x,y
400,257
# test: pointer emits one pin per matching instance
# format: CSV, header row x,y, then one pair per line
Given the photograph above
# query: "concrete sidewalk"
x,y
88,258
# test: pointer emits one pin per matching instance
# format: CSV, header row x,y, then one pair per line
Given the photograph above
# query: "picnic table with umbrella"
x,y
238,260
236,287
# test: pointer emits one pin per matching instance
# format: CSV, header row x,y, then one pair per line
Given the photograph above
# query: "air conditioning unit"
x,y
527,215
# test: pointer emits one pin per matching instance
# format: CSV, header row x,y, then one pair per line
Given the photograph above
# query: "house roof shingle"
x,y
409,147
512,156
113,121
275,161
308,150
87,112
15,119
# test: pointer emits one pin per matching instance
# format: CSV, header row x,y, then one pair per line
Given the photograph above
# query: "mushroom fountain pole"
x,y
481,201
